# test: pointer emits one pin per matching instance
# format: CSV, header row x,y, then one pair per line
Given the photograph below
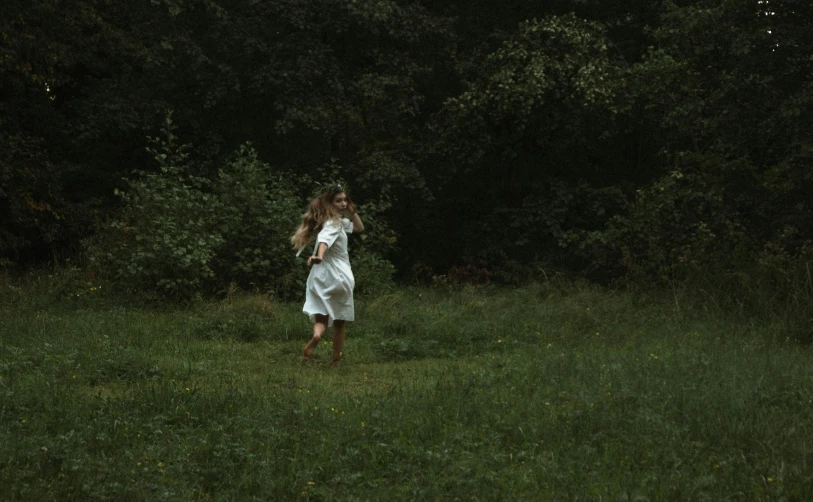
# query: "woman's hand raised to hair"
x,y
351,207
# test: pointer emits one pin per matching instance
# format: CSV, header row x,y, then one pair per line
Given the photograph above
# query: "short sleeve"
x,y
329,233
348,225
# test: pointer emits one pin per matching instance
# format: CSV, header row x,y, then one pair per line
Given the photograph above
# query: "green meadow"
x,y
545,392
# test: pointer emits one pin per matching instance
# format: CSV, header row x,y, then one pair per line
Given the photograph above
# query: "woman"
x,y
329,289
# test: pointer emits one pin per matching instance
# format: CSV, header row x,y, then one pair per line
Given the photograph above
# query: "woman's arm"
x,y
358,226
319,256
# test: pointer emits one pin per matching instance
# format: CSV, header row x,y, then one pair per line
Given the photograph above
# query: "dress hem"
x,y
312,317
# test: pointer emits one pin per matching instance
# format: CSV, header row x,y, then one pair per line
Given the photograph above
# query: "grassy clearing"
x,y
544,393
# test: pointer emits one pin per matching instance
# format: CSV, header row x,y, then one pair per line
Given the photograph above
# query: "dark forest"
x,y
172,144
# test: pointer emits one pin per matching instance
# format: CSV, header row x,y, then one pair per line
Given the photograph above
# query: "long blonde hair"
x,y
319,211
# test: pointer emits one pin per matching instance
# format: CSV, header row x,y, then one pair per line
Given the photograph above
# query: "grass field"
x,y
547,392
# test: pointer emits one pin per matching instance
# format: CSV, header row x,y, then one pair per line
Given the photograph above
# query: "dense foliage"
x,y
180,234
643,139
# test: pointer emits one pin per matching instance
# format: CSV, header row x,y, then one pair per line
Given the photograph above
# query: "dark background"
x,y
610,140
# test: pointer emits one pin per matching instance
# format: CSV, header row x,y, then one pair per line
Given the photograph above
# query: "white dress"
x,y
329,289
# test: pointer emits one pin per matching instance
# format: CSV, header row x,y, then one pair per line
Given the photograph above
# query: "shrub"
x,y
167,235
372,272
181,235
679,222
256,214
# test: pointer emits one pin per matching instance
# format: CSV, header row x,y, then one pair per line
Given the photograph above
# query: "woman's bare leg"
x,y
338,342
319,328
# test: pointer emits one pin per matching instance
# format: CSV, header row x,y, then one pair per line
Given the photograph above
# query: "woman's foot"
x,y
319,327
337,356
307,352
338,341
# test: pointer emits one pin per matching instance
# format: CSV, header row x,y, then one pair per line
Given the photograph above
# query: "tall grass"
x,y
547,392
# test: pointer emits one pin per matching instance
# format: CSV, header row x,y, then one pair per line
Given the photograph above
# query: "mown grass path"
x,y
540,393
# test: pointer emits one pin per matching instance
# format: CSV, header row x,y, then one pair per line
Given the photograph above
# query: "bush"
x,y
167,235
256,214
679,222
181,235
372,272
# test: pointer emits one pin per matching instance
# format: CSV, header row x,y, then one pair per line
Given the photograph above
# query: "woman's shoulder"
x,y
331,223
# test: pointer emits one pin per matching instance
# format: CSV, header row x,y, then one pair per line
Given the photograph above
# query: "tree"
x,y
539,112
304,80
